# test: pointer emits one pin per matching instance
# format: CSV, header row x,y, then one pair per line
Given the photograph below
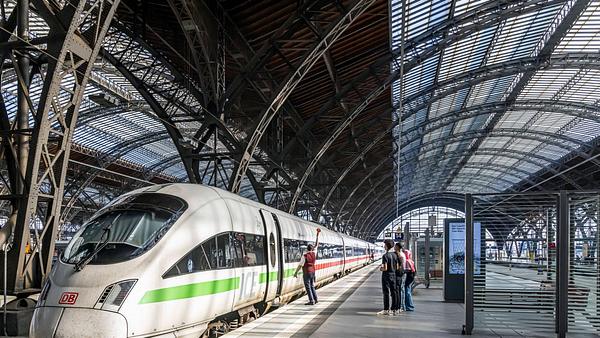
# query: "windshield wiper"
x,y
99,246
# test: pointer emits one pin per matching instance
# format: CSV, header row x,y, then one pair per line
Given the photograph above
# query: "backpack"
x,y
410,264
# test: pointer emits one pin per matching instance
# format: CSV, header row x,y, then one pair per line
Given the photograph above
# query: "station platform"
x,y
348,307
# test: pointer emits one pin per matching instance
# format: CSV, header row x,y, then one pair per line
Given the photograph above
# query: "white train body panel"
x,y
159,293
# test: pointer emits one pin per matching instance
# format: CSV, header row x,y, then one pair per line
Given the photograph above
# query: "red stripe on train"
x,y
340,262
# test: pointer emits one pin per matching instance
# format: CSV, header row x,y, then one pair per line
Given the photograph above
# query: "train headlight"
x,y
114,295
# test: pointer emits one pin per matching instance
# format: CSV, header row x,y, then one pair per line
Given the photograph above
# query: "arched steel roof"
x,y
312,108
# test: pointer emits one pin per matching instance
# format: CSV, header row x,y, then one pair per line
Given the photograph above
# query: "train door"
x,y
281,273
343,257
274,273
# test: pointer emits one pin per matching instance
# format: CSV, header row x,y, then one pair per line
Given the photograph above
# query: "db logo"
x,y
68,298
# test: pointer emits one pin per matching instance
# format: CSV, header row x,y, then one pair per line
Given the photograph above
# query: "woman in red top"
x,y
307,264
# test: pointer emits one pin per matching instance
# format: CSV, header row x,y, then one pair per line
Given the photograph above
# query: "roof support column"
x,y
78,29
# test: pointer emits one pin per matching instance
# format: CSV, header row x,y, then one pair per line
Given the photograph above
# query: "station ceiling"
x,y
331,109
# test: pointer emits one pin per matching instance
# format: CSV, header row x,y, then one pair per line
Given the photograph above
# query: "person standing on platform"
x,y
410,277
400,275
389,263
307,264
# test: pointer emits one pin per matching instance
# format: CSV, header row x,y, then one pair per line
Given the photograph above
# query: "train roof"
x,y
198,194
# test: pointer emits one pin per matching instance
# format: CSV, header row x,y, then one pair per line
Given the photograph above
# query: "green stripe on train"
x,y
191,290
262,278
290,272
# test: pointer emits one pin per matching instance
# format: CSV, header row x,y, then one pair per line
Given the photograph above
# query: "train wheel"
x,y
216,329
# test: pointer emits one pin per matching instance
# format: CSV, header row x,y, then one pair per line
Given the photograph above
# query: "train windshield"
x,y
124,230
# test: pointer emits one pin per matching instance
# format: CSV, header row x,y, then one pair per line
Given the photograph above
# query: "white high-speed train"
x,y
183,260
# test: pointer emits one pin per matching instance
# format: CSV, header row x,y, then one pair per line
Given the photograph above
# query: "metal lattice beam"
x,y
417,50
82,26
331,33
545,54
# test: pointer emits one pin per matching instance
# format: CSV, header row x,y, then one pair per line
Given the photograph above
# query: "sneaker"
x,y
384,312
309,303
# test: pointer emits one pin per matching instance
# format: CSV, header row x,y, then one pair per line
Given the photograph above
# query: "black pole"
x,y
469,253
562,265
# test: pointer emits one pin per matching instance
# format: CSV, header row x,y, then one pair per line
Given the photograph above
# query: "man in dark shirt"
x,y
389,264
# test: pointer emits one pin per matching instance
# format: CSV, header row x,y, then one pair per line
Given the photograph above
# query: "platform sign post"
x,y
562,265
597,249
469,255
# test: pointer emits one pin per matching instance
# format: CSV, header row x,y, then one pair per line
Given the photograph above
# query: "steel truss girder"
x,y
532,135
164,103
372,189
383,81
562,61
388,211
327,38
574,109
87,116
479,184
423,98
444,199
82,26
247,54
168,99
197,36
357,186
352,164
428,43
328,142
561,30
493,152
104,161
7,150
161,166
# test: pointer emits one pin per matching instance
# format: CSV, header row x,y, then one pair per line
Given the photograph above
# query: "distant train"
x,y
183,260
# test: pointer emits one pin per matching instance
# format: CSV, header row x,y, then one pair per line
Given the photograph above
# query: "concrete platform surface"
x,y
348,307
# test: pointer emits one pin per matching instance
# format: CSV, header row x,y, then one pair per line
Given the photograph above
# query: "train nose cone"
x,y
77,322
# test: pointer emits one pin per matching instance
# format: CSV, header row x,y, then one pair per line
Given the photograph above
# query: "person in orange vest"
x,y
307,264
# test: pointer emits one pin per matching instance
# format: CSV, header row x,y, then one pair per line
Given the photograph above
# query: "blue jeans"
x,y
400,286
309,285
408,301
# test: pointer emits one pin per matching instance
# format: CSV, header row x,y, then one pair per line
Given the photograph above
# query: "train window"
x,y
293,250
349,251
126,229
338,251
210,247
302,247
224,258
272,249
248,250
326,251
195,261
